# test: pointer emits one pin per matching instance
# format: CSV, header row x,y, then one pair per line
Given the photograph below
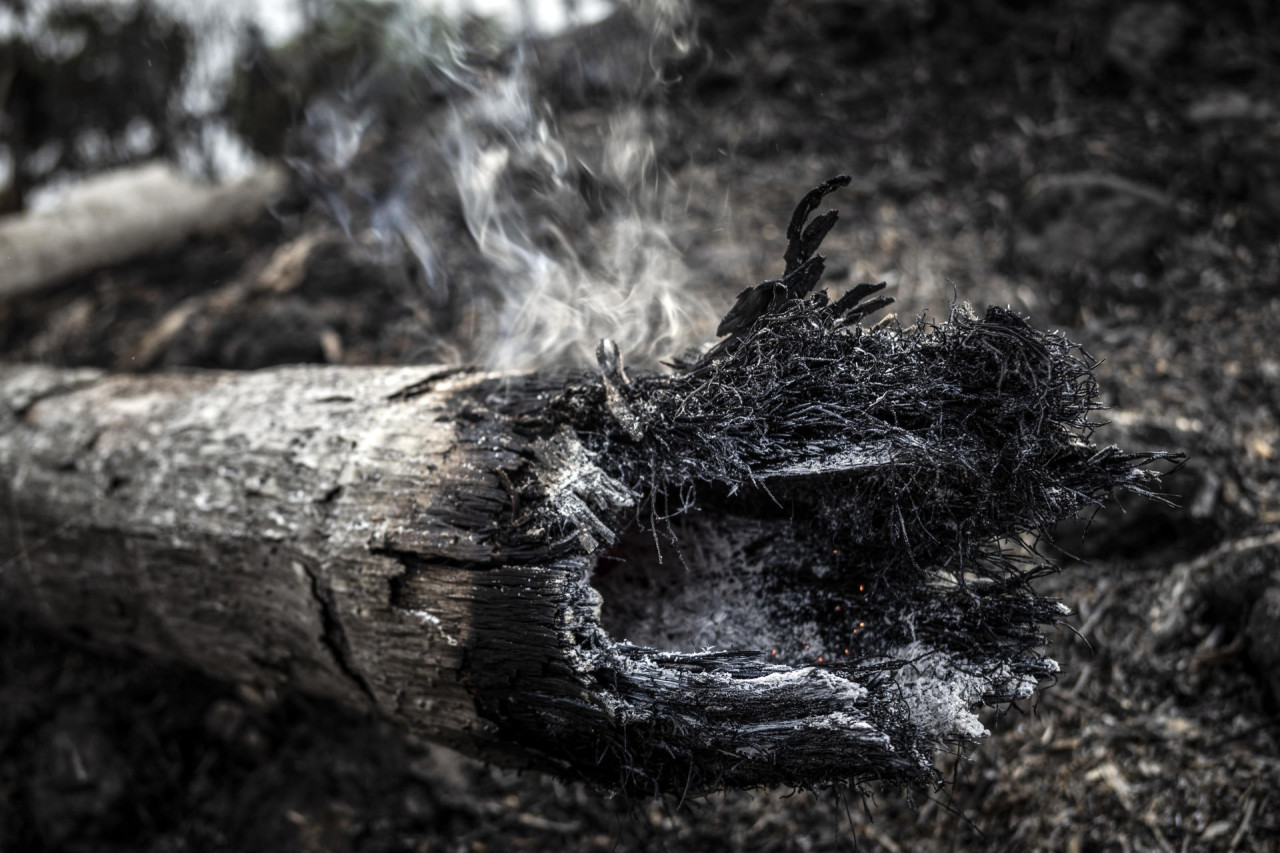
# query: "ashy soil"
x,y
1109,169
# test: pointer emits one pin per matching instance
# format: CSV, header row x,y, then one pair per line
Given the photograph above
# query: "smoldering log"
x,y
802,558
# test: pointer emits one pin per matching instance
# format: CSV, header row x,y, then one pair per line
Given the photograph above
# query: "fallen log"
x,y
792,561
117,216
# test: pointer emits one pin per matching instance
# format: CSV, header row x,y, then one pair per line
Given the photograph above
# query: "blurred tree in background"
x,y
98,86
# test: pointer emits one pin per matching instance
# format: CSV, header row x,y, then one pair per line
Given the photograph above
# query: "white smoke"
x,y
574,229
567,275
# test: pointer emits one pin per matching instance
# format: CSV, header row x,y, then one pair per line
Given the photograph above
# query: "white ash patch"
x,y
845,689
432,619
577,489
944,695
842,721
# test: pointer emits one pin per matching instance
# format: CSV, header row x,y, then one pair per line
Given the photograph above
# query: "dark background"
x,y
1112,169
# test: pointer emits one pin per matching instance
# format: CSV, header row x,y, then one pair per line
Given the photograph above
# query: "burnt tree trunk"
x,y
287,528
331,530
801,559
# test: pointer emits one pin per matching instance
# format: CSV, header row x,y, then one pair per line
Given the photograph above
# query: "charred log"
x,y
803,558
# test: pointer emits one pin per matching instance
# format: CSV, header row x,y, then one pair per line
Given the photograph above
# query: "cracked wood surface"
x,y
288,527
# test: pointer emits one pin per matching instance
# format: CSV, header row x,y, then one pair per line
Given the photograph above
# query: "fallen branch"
x,y
786,563
116,217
